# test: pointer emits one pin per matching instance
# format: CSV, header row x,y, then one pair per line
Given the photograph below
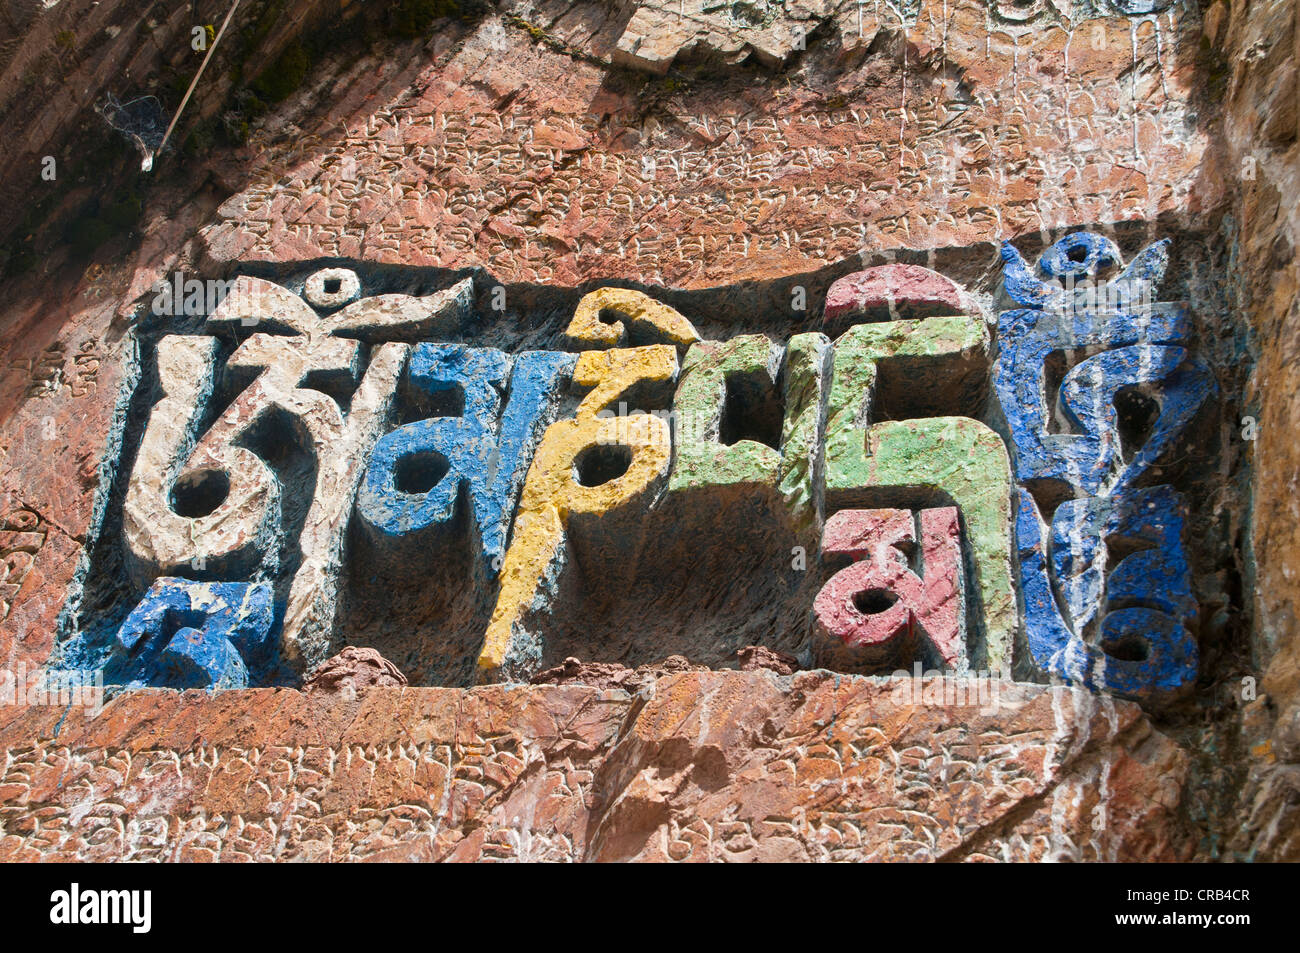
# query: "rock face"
x,y
353,670
612,675
547,362
771,33
1261,130
754,657
702,766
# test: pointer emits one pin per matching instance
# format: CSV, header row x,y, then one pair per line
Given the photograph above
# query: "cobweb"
x,y
140,120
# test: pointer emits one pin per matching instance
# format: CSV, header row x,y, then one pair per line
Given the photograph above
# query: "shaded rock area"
x,y
1260,48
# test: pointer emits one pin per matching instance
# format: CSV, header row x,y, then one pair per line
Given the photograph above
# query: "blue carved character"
x,y
1124,627
186,634
417,472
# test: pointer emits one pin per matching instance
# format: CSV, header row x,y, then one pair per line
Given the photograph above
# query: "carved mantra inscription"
x,y
298,446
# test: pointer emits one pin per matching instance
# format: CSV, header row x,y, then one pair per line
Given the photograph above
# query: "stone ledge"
x,y
717,765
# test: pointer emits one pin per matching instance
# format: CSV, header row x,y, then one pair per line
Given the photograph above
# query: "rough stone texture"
x,y
555,496
700,766
632,310
1083,477
613,675
703,459
194,635
754,657
953,455
541,164
892,289
58,60
1260,47
352,670
662,30
484,459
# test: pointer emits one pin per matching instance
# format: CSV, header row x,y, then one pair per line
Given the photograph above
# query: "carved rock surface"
x,y
712,766
352,669
661,30
756,657
611,674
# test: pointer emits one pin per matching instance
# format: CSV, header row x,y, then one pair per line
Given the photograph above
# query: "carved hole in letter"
x,y
874,601
601,464
1136,415
198,494
753,410
1048,494
1130,648
1121,547
420,472
1056,366
929,386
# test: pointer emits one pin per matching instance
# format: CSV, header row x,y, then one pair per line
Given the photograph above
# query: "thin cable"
x,y
147,164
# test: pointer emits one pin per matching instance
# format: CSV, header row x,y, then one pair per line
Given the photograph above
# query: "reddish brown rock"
x,y
1257,47
508,144
712,766
612,674
352,670
755,658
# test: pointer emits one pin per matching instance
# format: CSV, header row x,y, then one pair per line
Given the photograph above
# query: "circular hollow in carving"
x,y
1079,254
602,463
419,473
874,601
332,287
1018,11
200,493
1129,648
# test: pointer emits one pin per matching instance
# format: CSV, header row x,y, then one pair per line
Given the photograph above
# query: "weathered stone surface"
x,y
194,635
1085,477
710,766
689,184
713,376
586,466
627,310
612,675
1257,45
756,657
661,30
957,456
892,289
485,449
352,670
